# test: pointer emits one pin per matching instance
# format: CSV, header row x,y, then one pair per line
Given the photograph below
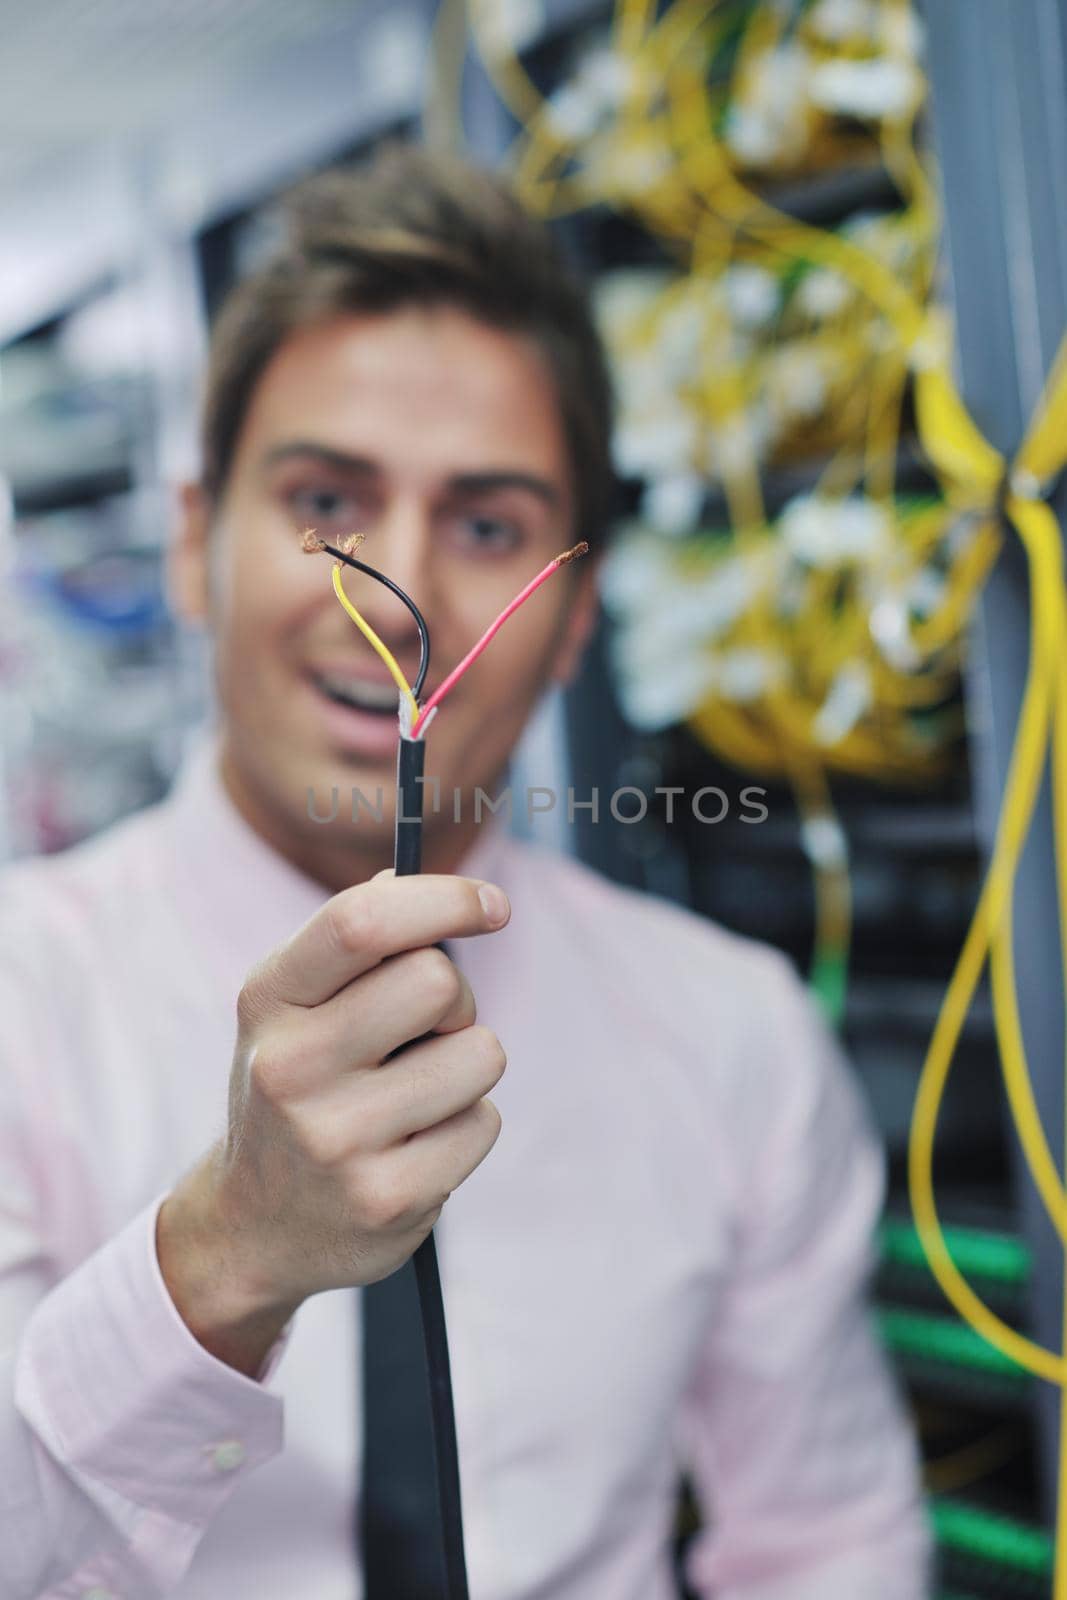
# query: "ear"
x,y
581,620
187,557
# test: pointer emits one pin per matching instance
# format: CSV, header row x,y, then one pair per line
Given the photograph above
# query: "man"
x,y
207,1139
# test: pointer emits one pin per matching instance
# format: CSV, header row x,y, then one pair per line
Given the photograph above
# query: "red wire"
x,y
472,655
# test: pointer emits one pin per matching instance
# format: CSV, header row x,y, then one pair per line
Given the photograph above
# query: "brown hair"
x,y
413,227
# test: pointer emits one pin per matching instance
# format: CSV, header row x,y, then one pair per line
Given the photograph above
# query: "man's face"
x,y
440,439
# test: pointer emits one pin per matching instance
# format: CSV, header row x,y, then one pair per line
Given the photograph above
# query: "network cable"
x,y
415,719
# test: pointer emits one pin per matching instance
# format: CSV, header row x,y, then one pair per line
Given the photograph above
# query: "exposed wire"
x,y
312,544
382,648
473,654
416,719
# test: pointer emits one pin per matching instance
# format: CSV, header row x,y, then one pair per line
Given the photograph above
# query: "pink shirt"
x,y
661,1260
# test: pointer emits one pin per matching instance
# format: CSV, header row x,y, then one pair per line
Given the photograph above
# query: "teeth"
x,y
375,696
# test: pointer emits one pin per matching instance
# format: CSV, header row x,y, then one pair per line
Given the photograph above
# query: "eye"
x,y
481,534
320,504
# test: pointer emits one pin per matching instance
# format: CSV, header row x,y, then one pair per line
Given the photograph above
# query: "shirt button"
x,y
227,1456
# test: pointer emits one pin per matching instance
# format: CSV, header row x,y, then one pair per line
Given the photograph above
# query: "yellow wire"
x,y
1017,1080
1040,535
369,634
1037,446
962,454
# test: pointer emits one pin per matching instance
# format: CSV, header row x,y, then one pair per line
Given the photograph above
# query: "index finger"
x,y
361,926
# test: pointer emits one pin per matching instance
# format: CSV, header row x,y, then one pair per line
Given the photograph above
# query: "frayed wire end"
x,y
311,544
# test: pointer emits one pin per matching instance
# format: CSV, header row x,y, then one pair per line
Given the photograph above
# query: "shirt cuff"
x,y
120,1392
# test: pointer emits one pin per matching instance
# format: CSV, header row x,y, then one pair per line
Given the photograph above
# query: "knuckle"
x,y
273,1072
437,978
318,1140
352,921
383,1201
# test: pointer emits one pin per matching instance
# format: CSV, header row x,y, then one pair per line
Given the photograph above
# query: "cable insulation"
x,y
407,857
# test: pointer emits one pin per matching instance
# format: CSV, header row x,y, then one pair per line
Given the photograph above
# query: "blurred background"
x,y
769,197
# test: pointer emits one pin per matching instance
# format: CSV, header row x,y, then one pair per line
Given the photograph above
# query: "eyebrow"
x,y
474,483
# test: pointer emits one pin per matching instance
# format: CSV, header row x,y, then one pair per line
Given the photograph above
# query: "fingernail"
x,y
494,904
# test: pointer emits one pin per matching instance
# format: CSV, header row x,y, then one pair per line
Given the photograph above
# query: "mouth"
x,y
377,699
356,716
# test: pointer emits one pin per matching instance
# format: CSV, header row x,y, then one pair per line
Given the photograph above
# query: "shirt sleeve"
x,y
121,1437
796,1437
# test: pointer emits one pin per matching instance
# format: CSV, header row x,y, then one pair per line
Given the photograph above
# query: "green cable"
x,y
936,1338
977,1252
992,1538
828,978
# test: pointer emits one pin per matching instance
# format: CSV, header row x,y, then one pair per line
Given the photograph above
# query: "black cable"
x,y
408,860
420,620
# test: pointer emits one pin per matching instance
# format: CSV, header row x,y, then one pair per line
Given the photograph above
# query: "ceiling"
x,y
113,108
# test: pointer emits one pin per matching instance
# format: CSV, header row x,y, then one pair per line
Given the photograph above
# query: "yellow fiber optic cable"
x,y
826,848
669,116
974,468
1060,828
964,455
664,106
1021,787
1047,680
630,23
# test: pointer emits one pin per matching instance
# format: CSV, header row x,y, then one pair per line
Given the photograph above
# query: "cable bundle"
x,y
674,122
762,343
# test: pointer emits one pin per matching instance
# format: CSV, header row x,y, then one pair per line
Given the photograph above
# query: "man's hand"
x,y
337,1160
